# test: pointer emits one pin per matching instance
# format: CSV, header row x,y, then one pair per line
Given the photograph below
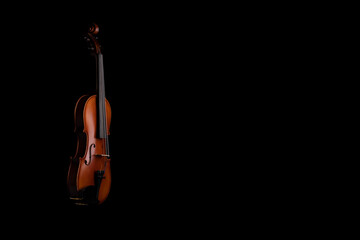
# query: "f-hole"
x,y
86,162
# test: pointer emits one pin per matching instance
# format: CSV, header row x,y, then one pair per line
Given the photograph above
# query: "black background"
x,y
158,69
182,81
172,76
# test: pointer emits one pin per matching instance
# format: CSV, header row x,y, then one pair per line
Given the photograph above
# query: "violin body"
x,y
89,159
89,174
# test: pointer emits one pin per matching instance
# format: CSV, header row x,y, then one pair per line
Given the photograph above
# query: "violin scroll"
x,y
91,38
94,29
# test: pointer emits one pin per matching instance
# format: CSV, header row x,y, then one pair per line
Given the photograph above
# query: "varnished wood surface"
x,y
83,166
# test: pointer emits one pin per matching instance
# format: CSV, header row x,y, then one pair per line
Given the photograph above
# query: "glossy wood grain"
x,y
88,160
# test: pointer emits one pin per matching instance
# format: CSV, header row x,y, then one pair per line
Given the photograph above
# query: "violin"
x,y
89,173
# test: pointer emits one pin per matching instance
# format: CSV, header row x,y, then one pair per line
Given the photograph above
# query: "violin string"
x,y
103,110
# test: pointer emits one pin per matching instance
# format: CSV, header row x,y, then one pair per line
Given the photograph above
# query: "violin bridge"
x,y
102,155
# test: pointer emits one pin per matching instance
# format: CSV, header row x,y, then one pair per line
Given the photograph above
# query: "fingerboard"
x,y
100,86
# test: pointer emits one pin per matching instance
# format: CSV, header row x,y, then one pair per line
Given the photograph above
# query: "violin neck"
x,y
100,93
